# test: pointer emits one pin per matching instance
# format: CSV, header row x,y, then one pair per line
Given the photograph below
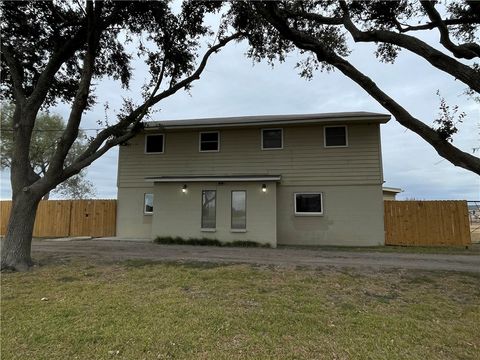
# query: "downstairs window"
x,y
308,204
148,204
209,209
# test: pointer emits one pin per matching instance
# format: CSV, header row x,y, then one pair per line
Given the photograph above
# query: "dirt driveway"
x,y
108,250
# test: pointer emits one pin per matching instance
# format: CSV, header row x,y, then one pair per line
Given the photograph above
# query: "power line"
x,y
60,130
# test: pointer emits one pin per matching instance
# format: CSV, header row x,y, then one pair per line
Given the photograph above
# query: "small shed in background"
x,y
389,193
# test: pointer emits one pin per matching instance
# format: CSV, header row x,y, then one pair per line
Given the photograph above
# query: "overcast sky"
x,y
231,86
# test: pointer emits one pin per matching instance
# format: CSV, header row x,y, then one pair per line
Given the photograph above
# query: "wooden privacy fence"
x,y
427,223
59,218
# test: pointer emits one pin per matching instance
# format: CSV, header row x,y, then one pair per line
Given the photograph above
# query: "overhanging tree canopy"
x,y
53,51
46,130
321,29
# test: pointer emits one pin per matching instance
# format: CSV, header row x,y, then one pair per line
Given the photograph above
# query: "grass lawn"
x,y
138,310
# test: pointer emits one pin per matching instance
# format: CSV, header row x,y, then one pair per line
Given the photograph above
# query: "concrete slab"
x,y
101,250
74,238
118,238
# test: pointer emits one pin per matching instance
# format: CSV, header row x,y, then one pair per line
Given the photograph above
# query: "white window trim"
x,y
200,141
145,203
156,152
308,213
261,138
336,146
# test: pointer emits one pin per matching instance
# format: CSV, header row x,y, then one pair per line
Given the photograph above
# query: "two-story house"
x,y
312,179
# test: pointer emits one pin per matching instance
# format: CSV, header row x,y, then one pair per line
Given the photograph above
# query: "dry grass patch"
x,y
138,310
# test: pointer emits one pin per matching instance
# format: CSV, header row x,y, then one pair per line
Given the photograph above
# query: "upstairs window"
x,y
148,204
308,204
272,139
154,144
210,141
335,136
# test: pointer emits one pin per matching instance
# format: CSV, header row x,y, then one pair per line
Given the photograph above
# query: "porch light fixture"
x,y
264,187
184,188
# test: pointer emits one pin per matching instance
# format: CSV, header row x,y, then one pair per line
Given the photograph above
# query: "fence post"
x,y
70,218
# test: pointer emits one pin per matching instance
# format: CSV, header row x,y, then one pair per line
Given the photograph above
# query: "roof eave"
x,y
392,190
233,178
382,119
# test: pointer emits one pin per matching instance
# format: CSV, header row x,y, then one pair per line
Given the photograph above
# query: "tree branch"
x,y
311,16
325,20
21,170
306,42
434,24
76,167
16,74
438,59
196,75
128,127
465,51
81,97
58,58
160,78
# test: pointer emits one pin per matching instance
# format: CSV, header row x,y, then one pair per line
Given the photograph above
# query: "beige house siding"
x,y
179,214
350,179
131,221
270,216
353,216
389,196
303,160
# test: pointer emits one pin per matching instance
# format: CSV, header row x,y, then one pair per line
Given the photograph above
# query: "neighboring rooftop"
x,y
392,190
323,118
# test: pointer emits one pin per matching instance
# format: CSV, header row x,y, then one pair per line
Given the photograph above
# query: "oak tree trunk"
x,y
16,248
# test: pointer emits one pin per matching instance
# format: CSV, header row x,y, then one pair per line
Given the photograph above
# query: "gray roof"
x,y
261,120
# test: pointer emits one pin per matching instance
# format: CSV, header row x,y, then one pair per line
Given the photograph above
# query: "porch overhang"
x,y
207,178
